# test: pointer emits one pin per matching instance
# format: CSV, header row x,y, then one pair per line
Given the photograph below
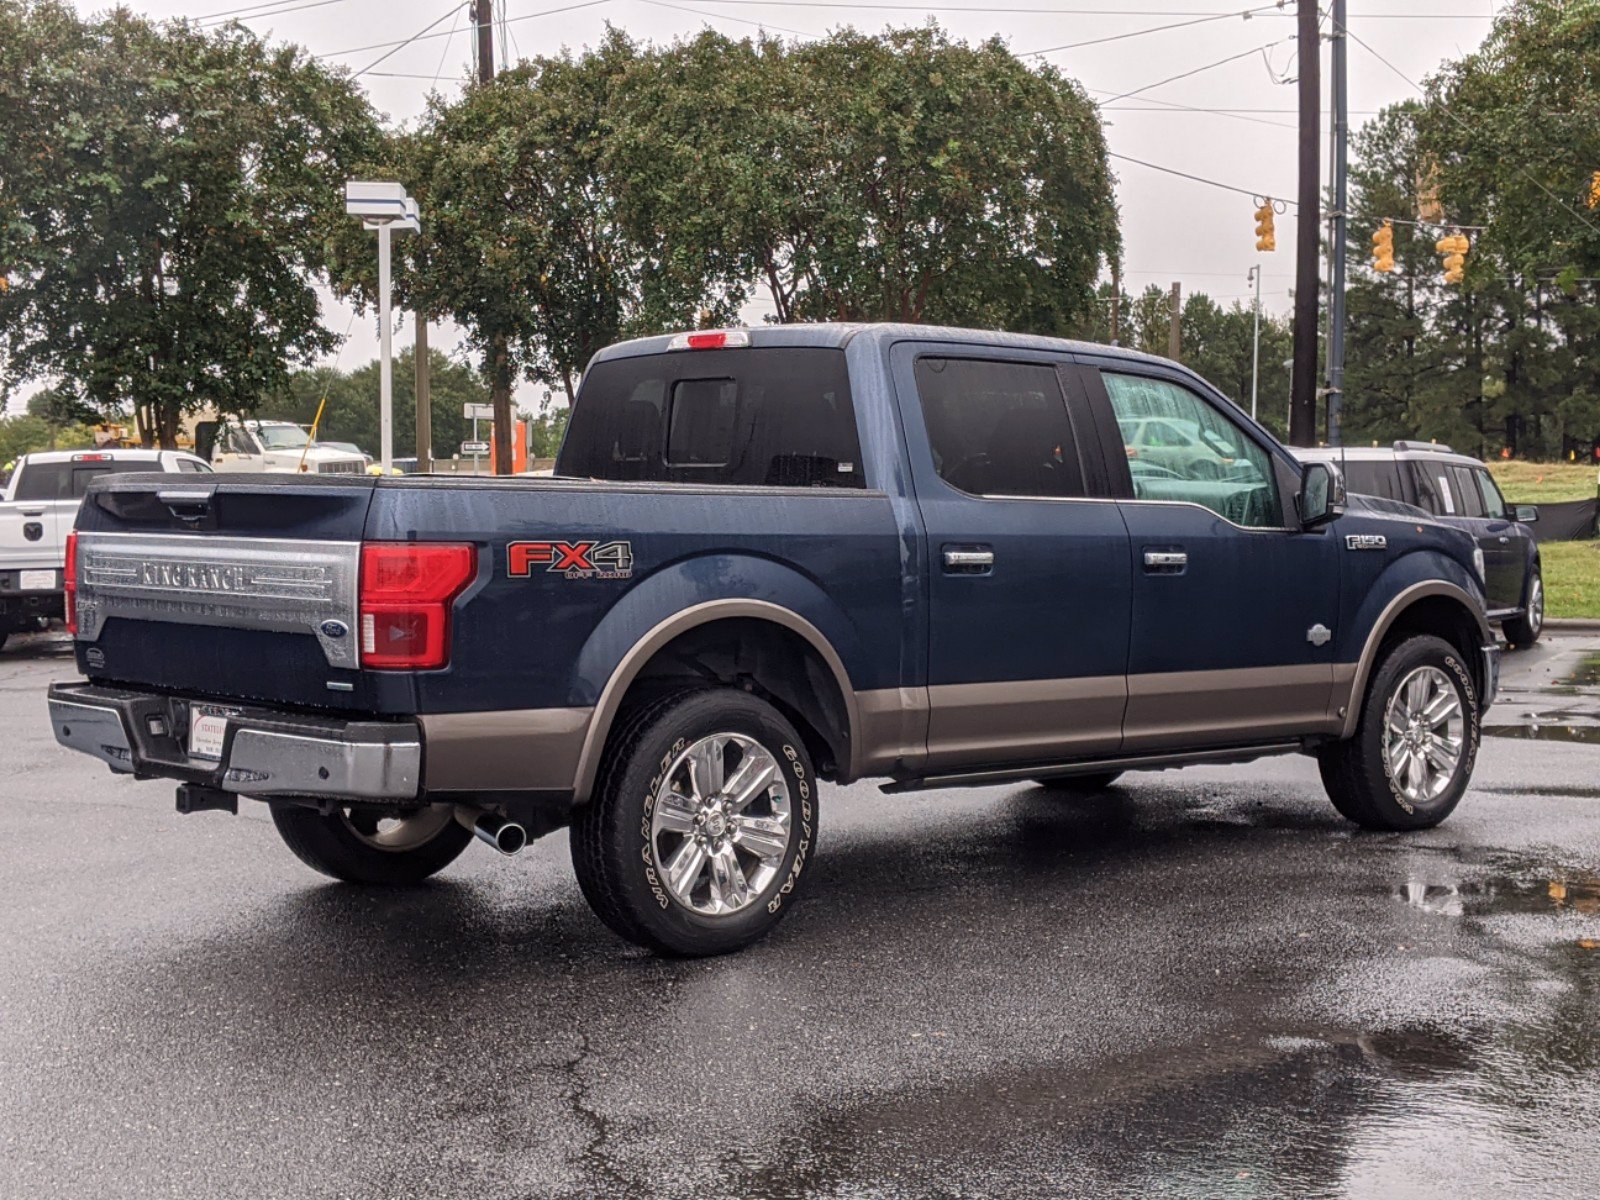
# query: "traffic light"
x,y
1383,248
1266,234
1594,190
1454,247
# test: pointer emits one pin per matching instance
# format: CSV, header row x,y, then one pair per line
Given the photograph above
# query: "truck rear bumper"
x,y
264,753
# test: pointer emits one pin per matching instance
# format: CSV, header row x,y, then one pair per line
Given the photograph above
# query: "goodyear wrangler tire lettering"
x,y
701,823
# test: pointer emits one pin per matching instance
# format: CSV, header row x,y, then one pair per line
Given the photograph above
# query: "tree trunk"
x,y
500,397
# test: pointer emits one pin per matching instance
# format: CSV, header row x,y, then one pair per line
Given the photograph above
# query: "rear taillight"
x,y
405,596
69,583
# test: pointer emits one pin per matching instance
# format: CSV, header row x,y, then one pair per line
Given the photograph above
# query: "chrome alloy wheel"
x,y
720,824
1536,606
1424,733
408,831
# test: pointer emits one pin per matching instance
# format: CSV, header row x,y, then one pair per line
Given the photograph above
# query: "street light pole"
x,y
1338,52
385,207
1255,351
385,356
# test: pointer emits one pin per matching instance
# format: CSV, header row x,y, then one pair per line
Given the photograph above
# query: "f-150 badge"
x,y
573,560
1366,541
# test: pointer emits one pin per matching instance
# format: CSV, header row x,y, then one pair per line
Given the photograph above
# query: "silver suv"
x,y
1458,490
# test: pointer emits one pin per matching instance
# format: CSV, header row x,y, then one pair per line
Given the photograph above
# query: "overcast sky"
x,y
1173,229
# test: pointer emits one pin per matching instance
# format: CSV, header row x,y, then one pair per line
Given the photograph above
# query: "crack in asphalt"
x,y
593,1159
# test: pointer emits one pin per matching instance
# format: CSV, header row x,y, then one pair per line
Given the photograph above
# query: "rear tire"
x,y
1082,785
1415,744
352,845
1524,631
700,825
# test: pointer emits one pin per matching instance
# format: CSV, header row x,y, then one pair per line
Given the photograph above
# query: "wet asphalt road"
x,y
1197,984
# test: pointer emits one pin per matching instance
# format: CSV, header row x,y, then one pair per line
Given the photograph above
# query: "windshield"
x,y
281,437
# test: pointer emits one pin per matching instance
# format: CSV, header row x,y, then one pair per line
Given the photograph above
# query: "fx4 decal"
x,y
574,560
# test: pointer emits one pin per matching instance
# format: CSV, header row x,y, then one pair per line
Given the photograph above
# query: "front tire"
x,y
1415,744
1524,631
701,823
355,845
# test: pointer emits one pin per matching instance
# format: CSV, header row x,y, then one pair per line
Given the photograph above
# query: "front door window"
x,y
1180,448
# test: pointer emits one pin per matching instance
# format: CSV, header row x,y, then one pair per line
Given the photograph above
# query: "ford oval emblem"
x,y
334,629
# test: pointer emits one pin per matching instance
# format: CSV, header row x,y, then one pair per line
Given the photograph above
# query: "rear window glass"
x,y
1373,479
779,417
69,480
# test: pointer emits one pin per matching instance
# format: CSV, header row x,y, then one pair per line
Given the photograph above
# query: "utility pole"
x,y
424,399
1338,52
1175,330
499,353
1116,305
1255,350
1303,391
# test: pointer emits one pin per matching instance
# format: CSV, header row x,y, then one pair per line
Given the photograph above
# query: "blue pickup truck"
x,y
769,559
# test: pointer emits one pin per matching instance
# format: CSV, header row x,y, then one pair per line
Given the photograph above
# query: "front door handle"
x,y
1165,560
968,560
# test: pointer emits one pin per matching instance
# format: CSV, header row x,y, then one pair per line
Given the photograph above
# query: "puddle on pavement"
x,y
1577,894
1588,735
1587,674
1437,1110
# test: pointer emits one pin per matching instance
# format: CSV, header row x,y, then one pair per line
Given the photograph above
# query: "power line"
x,y
1080,12
548,12
276,8
1227,187
713,16
453,10
1131,33
1173,104
1197,70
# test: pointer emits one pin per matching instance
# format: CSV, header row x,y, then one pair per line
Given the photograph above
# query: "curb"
x,y
1573,624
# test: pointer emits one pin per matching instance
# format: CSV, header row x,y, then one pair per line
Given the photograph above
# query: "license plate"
x,y
208,728
36,581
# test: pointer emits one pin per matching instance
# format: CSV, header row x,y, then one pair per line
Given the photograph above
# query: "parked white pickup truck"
x,y
38,510
273,446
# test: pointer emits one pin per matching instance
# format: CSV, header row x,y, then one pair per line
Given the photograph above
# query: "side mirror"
x,y
1321,495
1527,513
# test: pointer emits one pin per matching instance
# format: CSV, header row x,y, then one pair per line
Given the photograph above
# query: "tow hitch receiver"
x,y
195,797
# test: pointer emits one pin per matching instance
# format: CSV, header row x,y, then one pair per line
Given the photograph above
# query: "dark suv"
x,y
1459,491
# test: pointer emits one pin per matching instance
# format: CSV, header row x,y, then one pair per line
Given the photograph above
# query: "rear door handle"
x,y
969,560
1165,560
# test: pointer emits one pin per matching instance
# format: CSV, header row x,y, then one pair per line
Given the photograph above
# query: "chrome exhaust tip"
x,y
505,835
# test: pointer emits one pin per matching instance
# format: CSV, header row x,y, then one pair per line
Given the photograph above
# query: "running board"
x,y
1138,762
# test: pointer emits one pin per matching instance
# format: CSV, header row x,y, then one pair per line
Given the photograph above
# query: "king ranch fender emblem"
x,y
571,560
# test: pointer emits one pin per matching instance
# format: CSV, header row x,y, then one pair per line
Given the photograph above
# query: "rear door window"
x,y
1373,479
774,416
1468,497
999,428
1434,493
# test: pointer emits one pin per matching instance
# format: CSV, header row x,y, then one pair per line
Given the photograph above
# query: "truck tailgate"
x,y
227,586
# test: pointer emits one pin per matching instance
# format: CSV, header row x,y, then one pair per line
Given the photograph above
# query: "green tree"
x,y
167,197
901,176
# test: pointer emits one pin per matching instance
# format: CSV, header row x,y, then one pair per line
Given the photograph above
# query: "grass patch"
x,y
1542,483
1571,578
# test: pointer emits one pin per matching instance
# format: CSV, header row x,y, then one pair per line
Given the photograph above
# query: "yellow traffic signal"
x,y
1266,234
1594,190
1454,247
1383,248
